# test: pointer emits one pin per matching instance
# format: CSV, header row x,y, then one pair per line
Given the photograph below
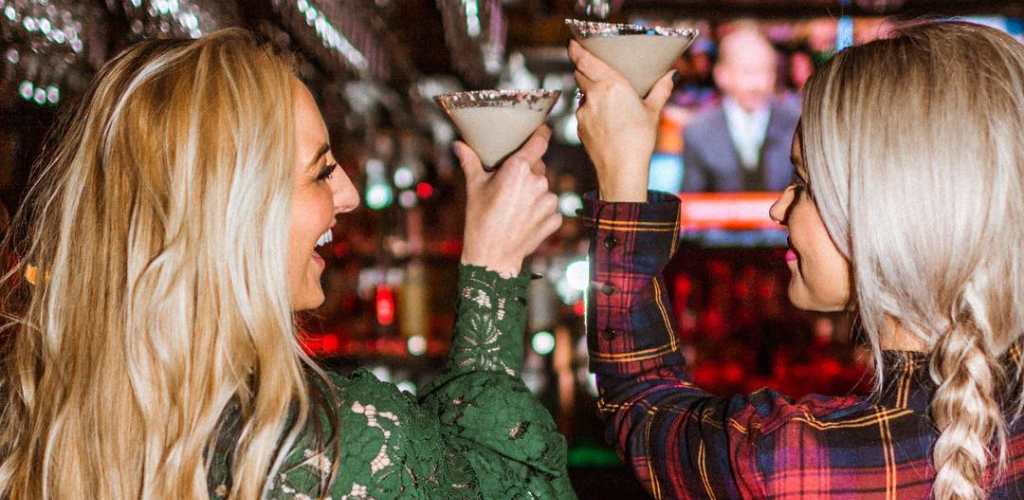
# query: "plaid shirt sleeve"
x,y
680,441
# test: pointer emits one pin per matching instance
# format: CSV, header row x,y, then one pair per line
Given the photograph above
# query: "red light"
x,y
424,190
579,308
312,345
385,306
450,247
321,345
684,287
331,344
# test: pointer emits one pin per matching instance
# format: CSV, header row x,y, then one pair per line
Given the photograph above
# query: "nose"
x,y
346,196
780,208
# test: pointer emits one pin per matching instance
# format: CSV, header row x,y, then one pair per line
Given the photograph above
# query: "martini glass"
x,y
642,54
497,122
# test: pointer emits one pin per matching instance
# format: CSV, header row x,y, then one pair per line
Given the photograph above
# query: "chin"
x,y
804,301
799,303
308,301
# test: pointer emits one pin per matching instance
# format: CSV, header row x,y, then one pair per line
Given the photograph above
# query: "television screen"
x,y
730,220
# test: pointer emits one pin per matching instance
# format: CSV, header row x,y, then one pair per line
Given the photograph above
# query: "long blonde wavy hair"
x,y
159,225
915,153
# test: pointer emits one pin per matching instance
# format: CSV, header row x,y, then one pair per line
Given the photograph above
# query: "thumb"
x,y
469,162
660,93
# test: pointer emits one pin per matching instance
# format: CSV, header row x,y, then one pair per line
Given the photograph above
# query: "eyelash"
x,y
327,172
800,184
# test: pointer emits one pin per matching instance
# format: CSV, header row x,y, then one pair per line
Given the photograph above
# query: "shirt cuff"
x,y
630,240
629,321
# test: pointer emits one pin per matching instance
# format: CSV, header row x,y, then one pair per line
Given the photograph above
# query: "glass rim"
x,y
495,97
588,29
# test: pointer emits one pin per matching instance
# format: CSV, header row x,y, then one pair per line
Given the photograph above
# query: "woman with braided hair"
x,y
907,207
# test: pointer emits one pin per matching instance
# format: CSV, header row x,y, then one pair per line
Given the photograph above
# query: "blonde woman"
x,y
175,229
907,207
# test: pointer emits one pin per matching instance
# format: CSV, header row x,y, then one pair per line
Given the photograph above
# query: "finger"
x,y
589,64
539,187
549,202
543,229
581,127
575,50
548,227
661,91
538,167
582,81
469,162
534,147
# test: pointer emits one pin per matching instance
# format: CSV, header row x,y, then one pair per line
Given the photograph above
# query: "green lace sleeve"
x,y
476,432
483,404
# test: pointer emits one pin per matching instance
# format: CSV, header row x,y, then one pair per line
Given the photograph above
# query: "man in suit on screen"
x,y
742,144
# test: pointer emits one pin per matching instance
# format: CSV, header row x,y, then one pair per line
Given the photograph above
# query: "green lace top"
x,y
476,432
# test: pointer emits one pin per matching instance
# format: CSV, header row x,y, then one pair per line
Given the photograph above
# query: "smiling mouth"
x,y
325,238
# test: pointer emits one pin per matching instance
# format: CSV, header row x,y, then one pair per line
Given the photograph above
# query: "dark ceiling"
x,y
531,23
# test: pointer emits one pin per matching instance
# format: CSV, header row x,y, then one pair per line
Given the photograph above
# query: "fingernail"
x,y
457,149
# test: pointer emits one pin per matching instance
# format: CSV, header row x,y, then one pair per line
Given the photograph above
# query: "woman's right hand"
x,y
616,126
510,211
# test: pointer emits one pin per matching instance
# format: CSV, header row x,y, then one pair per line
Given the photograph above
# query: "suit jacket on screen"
x,y
711,162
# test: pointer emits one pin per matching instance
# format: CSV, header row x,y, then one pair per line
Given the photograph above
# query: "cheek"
x,y
827,275
305,229
311,214
823,283
832,281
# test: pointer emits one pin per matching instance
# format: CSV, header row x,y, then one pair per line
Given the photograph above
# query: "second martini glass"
x,y
641,54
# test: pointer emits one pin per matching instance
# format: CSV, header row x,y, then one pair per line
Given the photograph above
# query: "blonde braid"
x,y
967,414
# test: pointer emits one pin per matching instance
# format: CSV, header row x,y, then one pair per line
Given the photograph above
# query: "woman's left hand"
x,y
616,126
510,211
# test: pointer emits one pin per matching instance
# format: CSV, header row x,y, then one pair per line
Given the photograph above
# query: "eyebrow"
x,y
319,153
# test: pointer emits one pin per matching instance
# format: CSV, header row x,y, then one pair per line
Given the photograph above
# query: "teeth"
x,y
325,238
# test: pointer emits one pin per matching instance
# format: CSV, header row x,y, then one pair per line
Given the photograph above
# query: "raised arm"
x,y
486,411
680,441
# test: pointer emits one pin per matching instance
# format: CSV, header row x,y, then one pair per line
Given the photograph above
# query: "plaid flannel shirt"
x,y
682,442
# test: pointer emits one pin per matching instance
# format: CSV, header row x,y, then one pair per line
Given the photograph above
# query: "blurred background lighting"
x,y
407,386
417,345
404,177
543,343
569,203
378,196
25,90
578,274
424,190
407,199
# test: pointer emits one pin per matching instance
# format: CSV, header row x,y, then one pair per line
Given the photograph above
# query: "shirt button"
x,y
608,289
610,242
608,333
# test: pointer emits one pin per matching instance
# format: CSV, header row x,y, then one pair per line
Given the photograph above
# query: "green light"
x,y
378,196
592,455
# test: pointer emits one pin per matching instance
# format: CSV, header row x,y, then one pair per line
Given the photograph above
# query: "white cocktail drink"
x,y
641,54
497,122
